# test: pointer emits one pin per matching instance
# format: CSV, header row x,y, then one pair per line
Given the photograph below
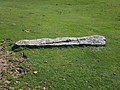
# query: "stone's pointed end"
x,y
64,41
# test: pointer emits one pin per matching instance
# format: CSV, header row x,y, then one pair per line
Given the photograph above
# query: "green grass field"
x,y
65,68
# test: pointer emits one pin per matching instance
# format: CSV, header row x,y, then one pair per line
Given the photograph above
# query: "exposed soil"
x,y
3,64
10,65
3,61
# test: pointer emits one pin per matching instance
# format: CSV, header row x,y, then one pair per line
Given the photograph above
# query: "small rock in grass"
x,y
43,88
17,82
35,72
26,30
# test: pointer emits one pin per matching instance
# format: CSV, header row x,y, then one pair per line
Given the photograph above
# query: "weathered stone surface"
x,y
88,40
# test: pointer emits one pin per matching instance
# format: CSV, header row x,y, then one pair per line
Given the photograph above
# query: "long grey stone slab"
x,y
63,41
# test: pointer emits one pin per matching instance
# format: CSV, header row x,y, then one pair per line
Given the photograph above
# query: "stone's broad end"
x,y
63,41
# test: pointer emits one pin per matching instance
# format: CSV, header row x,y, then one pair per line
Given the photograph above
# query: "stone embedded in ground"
x,y
26,30
35,72
64,41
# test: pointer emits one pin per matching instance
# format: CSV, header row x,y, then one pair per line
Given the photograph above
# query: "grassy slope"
x,y
67,68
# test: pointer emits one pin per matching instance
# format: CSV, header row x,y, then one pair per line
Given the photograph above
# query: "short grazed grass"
x,y
64,68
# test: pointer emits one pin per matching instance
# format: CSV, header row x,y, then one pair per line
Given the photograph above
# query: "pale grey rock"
x,y
88,40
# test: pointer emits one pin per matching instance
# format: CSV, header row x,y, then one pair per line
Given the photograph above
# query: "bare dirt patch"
x,y
3,64
3,61
9,65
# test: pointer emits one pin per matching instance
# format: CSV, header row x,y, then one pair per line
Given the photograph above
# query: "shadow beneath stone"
x,y
16,48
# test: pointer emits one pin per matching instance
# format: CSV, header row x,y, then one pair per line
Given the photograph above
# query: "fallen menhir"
x,y
64,41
